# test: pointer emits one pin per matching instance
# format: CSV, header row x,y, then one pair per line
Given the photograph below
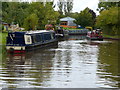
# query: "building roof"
x,y
67,19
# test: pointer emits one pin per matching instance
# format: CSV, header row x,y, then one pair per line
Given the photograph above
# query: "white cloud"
x,y
82,4
79,5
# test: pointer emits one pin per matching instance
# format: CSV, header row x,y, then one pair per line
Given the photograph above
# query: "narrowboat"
x,y
77,31
24,41
95,35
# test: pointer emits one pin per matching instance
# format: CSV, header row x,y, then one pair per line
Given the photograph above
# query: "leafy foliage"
x,y
108,20
68,7
24,13
65,7
60,7
86,18
106,5
14,12
30,22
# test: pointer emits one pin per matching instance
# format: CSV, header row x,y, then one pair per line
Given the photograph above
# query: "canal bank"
x,y
111,37
3,36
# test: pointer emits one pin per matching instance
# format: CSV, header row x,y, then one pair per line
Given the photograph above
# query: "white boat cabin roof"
x,y
38,31
67,19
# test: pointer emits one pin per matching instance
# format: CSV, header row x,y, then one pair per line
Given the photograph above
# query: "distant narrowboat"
x,y
95,35
77,31
23,41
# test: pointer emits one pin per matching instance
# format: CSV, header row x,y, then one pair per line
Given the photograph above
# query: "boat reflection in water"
x,y
77,37
30,68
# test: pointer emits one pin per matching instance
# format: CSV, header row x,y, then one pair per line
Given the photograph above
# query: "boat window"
x,y
47,36
38,38
28,39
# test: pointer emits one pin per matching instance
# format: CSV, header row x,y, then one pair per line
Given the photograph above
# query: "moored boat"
x,y
18,42
78,31
95,35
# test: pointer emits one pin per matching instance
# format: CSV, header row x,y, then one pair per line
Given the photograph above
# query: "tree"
x,y
18,12
86,18
108,20
65,7
74,15
9,11
60,7
68,5
14,12
30,22
45,13
106,5
50,15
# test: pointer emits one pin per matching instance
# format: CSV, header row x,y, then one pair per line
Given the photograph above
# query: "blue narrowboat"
x,y
77,31
23,41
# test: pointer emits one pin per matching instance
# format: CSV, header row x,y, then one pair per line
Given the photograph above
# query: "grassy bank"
x,y
3,38
109,36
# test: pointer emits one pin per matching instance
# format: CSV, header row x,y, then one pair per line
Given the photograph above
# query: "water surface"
x,y
73,63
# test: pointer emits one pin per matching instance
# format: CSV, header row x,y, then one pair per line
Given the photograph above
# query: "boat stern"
x,y
15,49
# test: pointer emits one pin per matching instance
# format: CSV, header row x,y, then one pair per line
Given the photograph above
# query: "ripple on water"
x,y
72,64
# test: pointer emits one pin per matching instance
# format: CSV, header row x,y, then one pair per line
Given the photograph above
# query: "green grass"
x,y
2,45
3,38
75,29
109,36
72,28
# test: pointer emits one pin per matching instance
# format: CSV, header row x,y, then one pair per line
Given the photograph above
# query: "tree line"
x,y
36,15
29,15
108,20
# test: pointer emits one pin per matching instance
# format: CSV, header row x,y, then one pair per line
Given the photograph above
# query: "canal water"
x,y
72,63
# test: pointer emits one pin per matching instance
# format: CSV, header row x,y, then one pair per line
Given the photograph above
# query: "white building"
x,y
67,22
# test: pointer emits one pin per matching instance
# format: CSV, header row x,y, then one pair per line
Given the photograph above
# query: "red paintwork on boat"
x,y
16,51
95,35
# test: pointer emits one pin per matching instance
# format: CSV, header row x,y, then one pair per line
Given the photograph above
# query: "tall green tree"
x,y
86,18
45,13
68,5
31,22
60,5
14,12
65,7
18,12
108,21
106,5
9,11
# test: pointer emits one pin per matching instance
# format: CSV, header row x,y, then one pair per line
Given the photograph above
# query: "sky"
x,y
79,5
